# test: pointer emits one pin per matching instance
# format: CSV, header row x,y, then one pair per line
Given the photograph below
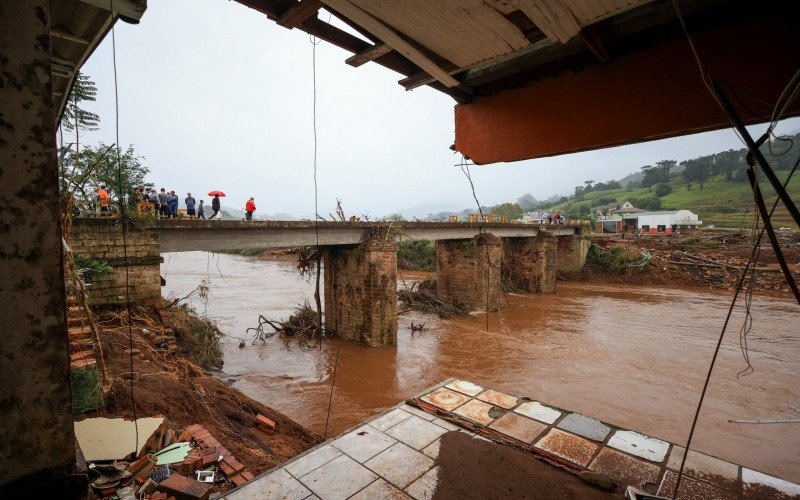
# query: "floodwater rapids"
x,y
635,357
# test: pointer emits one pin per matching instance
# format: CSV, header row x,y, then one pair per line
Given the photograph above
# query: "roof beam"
x,y
130,9
422,78
365,56
393,39
69,37
299,12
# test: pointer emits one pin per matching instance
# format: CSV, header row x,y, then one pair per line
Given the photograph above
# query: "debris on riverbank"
x,y
167,382
422,296
302,326
713,261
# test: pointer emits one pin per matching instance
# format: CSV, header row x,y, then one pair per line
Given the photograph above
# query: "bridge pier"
x,y
361,291
572,252
530,263
467,269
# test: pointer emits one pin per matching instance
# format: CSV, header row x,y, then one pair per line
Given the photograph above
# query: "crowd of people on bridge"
x,y
165,204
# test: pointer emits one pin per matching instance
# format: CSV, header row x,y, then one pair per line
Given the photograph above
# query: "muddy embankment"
x,y
174,385
706,260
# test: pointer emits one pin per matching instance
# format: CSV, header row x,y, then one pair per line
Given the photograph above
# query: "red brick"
x,y
247,475
238,479
265,424
185,488
225,468
233,464
77,356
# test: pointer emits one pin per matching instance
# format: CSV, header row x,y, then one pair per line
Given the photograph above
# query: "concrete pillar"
x,y
361,291
572,252
101,239
530,263
466,269
37,442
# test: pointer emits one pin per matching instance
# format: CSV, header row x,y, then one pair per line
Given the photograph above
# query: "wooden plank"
x,y
393,39
331,34
368,55
423,78
298,13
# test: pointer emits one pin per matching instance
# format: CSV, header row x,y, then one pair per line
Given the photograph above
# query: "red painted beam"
x,y
651,94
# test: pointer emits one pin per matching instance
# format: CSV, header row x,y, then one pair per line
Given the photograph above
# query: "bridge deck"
x,y
191,235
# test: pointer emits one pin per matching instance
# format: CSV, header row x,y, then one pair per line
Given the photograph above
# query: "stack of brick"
x,y
207,452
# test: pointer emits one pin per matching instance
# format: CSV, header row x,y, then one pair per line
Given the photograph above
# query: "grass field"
x,y
721,202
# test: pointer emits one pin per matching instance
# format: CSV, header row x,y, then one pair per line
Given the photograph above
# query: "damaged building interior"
x,y
528,79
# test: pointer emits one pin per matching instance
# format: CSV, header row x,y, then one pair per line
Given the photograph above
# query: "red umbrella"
x,y
216,193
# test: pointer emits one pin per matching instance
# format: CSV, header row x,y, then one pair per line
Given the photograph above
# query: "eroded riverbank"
x,y
631,356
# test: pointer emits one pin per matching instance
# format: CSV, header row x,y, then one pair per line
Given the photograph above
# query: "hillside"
x,y
725,203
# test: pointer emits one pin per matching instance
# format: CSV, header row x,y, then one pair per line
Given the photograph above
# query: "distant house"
x,y
664,221
625,210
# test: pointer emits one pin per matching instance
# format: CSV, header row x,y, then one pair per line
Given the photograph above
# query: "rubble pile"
x,y
164,464
715,261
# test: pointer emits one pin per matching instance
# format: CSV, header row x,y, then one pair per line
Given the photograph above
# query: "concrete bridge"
x,y
359,261
215,235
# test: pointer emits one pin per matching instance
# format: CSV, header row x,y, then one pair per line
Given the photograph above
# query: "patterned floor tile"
x,y
477,411
465,387
567,446
585,426
540,412
518,427
498,399
445,399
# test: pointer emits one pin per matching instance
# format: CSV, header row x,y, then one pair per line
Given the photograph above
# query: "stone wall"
x,y
572,252
530,263
102,239
464,269
37,442
361,292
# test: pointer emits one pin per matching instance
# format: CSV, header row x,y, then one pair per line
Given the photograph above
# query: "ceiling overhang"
x,y
76,29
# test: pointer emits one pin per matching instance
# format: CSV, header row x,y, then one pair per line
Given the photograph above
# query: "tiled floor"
x,y
393,455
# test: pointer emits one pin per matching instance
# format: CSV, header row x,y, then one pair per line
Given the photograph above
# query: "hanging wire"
x,y
123,224
464,165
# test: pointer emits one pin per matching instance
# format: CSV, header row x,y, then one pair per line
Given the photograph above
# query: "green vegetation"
x,y
613,260
511,210
91,268
198,338
721,202
416,255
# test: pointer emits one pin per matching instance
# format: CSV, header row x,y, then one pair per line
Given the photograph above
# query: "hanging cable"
x,y
464,165
123,225
317,301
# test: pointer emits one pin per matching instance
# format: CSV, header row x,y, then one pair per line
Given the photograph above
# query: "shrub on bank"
x,y
416,255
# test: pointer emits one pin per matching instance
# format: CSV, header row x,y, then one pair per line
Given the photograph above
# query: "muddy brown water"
x,y
635,357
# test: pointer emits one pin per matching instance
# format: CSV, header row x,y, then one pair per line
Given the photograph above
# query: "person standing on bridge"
x,y
249,208
190,203
215,207
201,210
103,199
163,204
173,204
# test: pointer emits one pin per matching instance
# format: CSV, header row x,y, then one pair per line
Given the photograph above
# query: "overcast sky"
x,y
215,96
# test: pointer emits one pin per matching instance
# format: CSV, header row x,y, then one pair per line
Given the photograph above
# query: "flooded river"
x,y
632,356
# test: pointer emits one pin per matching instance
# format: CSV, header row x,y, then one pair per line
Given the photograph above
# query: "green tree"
x,y
511,210
697,171
663,189
527,201
664,166
395,217
97,166
652,176
75,117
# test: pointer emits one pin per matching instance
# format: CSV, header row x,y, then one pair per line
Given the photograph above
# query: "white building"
x,y
664,221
